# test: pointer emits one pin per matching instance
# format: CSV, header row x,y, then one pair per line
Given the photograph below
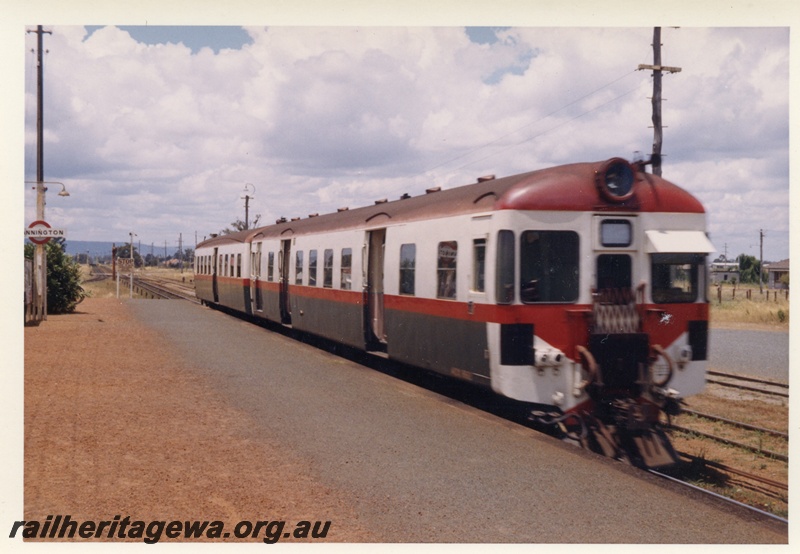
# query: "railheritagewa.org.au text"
x,y
60,527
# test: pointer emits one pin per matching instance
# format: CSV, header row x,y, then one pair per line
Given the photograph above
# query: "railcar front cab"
x,y
641,343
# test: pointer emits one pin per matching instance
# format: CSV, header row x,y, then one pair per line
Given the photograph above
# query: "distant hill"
x,y
95,248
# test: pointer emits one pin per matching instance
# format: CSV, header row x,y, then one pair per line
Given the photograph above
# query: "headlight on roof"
x,y
615,180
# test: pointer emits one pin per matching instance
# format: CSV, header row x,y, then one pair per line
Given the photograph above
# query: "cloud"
x,y
164,136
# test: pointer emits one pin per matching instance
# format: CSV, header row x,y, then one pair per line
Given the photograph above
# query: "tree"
x,y
239,225
124,251
64,291
749,268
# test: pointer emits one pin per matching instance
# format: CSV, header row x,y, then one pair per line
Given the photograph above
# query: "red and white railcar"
x,y
581,288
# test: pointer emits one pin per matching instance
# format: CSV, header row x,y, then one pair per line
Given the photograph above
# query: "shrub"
x,y
64,291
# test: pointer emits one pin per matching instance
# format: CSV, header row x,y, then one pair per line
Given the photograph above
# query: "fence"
x,y
748,294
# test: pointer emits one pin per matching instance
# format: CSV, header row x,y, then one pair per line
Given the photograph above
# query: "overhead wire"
x,y
543,118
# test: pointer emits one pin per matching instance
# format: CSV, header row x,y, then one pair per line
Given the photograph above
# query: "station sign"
x,y
125,264
40,232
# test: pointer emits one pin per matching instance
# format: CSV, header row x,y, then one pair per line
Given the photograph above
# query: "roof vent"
x,y
406,196
343,209
381,201
295,219
281,220
432,190
313,215
486,178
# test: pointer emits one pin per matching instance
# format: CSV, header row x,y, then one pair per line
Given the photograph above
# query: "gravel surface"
x,y
750,352
163,409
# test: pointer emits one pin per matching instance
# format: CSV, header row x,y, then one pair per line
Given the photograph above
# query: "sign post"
x,y
125,264
39,233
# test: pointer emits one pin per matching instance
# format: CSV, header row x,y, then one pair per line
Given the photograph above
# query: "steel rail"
x,y
744,387
746,378
162,291
734,423
719,496
757,450
742,473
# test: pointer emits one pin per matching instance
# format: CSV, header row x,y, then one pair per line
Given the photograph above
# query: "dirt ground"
x,y
748,409
116,424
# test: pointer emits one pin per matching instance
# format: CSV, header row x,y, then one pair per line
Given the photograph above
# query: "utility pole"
x,y
39,257
760,259
132,234
657,69
246,199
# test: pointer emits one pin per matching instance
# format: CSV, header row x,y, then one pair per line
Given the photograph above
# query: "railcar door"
x,y
375,334
614,269
255,274
283,268
214,269
617,342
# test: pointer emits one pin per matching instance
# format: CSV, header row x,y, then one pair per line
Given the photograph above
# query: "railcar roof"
x,y
563,188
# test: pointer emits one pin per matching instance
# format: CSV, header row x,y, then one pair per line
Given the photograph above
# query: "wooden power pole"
x,y
657,69
39,255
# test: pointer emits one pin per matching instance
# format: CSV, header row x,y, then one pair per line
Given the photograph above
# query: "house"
x,y
724,272
775,274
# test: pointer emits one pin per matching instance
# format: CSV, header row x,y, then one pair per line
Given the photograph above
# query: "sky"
x,y
162,130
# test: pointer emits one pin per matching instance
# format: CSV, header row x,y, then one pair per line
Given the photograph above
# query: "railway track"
x,y
736,443
719,496
747,461
164,289
750,384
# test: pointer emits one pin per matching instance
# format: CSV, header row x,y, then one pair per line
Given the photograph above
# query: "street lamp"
x,y
45,189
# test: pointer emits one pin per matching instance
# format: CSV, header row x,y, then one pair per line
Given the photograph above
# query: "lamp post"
x,y
132,234
39,257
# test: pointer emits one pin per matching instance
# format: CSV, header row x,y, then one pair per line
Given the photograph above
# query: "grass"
x,y
757,311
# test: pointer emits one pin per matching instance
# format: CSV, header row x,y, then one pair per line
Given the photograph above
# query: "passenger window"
x,y
270,265
549,266
478,265
505,267
312,268
238,265
446,270
408,261
346,273
327,269
298,268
